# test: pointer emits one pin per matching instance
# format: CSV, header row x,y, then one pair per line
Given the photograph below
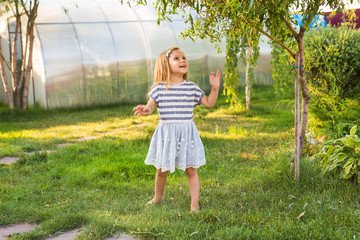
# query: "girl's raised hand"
x,y
141,110
215,80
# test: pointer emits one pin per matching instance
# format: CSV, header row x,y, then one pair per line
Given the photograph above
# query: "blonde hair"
x,y
162,72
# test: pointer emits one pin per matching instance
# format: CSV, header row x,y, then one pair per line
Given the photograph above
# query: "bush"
x,y
332,60
342,156
333,116
333,63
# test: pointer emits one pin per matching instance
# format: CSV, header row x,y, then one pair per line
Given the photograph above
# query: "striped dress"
x,y
176,142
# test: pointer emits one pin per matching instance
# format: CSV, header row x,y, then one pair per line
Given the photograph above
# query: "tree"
x,y
247,77
275,19
20,73
249,54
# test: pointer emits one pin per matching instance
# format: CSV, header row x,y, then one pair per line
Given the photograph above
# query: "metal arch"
x,y
44,73
116,52
81,58
147,49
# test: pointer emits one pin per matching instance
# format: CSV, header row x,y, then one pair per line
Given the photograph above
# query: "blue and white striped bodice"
x,y
176,104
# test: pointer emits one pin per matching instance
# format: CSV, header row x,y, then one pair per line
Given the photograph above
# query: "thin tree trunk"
x,y
25,79
30,40
20,85
24,59
296,165
6,83
14,68
305,95
28,71
247,90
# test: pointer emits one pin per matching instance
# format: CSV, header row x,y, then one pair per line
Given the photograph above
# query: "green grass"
x,y
247,191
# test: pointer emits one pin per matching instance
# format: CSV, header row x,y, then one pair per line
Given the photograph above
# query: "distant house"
x,y
337,19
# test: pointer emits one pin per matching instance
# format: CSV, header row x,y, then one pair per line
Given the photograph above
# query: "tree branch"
x,y
24,7
288,24
270,36
278,42
2,58
305,26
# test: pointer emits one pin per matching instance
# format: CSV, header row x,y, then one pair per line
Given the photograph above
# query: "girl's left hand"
x,y
215,80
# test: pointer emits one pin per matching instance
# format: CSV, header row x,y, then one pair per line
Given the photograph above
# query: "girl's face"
x,y
178,63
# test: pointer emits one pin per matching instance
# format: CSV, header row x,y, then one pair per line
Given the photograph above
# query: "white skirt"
x,y
176,145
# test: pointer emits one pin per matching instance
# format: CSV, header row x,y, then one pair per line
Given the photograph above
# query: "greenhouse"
x,y
89,52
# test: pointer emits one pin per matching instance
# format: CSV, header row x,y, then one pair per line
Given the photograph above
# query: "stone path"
x,y
121,236
86,138
8,160
67,235
6,232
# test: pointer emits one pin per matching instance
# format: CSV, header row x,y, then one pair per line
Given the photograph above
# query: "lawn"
x,y
247,190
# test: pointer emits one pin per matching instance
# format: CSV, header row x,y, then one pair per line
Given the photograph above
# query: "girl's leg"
x,y
160,180
194,185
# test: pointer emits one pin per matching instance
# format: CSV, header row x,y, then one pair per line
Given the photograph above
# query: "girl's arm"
x,y
145,109
215,85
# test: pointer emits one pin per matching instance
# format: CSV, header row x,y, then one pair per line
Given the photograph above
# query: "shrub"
x,y
334,116
342,155
333,63
332,60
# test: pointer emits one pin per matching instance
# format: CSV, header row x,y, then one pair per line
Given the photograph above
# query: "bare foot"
x,y
195,209
154,201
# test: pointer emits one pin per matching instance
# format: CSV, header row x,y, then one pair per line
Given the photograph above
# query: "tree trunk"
x,y
296,164
305,95
6,83
20,85
247,90
27,58
14,69
28,70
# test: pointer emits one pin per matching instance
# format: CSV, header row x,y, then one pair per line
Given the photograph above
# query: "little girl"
x,y
176,141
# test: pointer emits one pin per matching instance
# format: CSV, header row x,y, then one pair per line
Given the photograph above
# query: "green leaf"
x,y
320,155
349,162
349,142
341,157
347,176
357,143
348,168
330,149
353,131
250,5
159,17
332,167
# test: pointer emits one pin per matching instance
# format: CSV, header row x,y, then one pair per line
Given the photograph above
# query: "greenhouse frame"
x,y
91,52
